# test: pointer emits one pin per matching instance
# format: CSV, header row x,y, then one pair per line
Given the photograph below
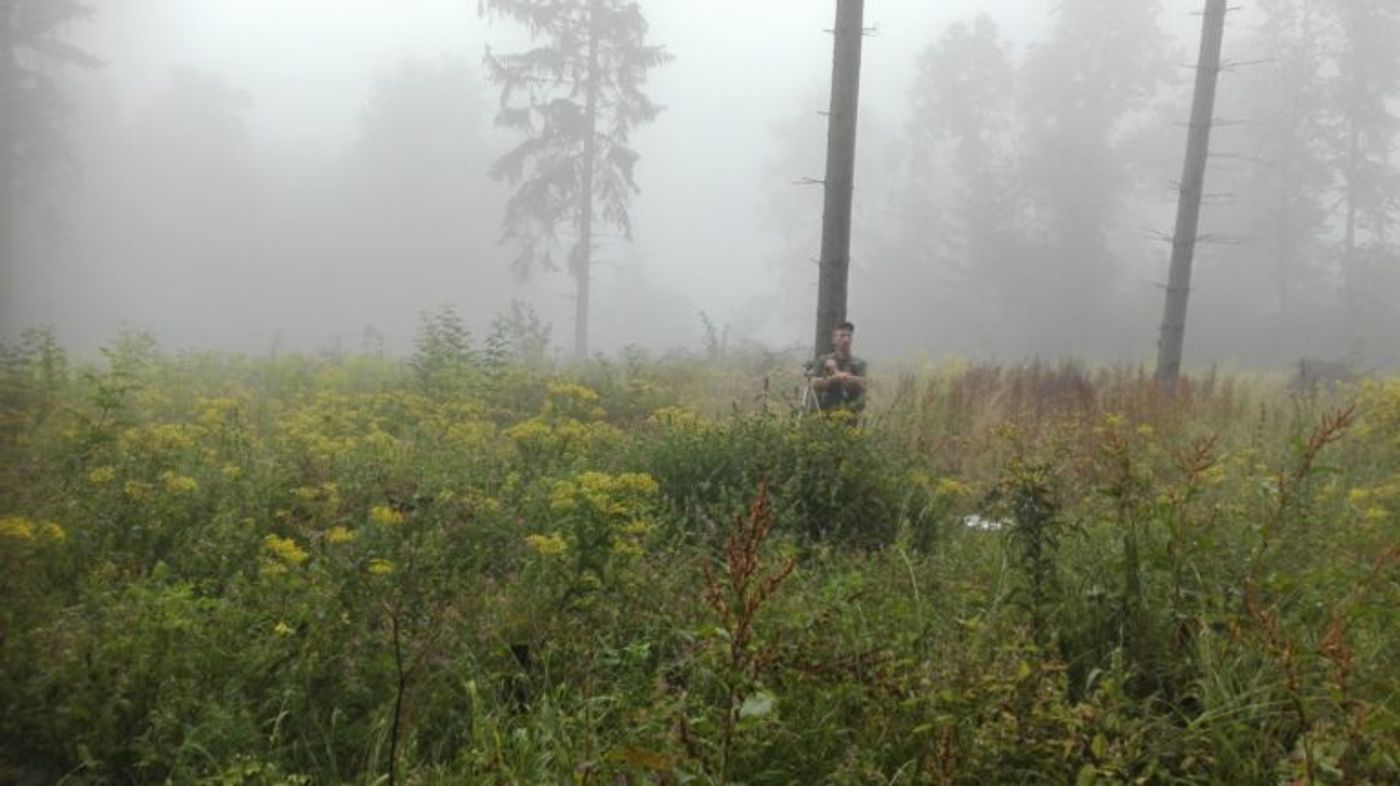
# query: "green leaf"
x,y
757,705
1099,746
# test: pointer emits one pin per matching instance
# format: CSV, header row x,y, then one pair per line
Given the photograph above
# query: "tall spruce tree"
x,y
964,114
1366,85
1282,199
577,96
1082,90
31,103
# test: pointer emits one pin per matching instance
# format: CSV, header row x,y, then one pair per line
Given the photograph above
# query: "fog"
x,y
255,174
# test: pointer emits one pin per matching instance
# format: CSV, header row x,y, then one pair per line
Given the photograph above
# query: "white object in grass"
x,y
986,525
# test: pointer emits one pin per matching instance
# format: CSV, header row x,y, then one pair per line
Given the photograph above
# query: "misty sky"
x,y
741,69
739,66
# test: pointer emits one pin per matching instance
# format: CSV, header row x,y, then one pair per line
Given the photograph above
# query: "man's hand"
x,y
849,380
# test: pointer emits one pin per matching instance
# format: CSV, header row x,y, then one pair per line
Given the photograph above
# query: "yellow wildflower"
x,y
382,442
844,417
604,494
489,506
218,412
102,475
285,549
561,498
177,483
572,434
674,416
529,431
282,629
547,545
383,514
638,483
339,535
562,392
137,490
627,548
157,439
380,567
948,488
17,528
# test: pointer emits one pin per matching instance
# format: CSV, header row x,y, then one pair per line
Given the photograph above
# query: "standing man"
x,y
838,379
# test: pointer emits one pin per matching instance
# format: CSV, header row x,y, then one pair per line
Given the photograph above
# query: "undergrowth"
x,y
474,567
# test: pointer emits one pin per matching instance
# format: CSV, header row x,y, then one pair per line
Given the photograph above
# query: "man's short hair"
x,y
845,326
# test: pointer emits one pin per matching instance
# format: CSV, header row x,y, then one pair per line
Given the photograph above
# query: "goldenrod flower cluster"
x,y
177,483
221,413
339,535
16,528
532,430
675,417
547,545
102,476
572,400
1378,503
604,494
22,529
137,491
1380,401
286,550
606,515
336,425
385,515
158,440
565,436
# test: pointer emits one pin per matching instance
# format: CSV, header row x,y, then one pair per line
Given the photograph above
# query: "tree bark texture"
x,y
1188,211
840,171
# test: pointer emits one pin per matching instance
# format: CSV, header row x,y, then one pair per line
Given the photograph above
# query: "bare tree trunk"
x,y
1350,277
1188,210
840,170
583,252
9,173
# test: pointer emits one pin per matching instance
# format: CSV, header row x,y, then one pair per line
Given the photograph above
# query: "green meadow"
x,y
475,566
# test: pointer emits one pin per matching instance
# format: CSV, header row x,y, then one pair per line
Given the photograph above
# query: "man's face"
x,y
841,341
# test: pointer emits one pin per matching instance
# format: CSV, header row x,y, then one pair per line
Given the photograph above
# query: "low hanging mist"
x,y
260,175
